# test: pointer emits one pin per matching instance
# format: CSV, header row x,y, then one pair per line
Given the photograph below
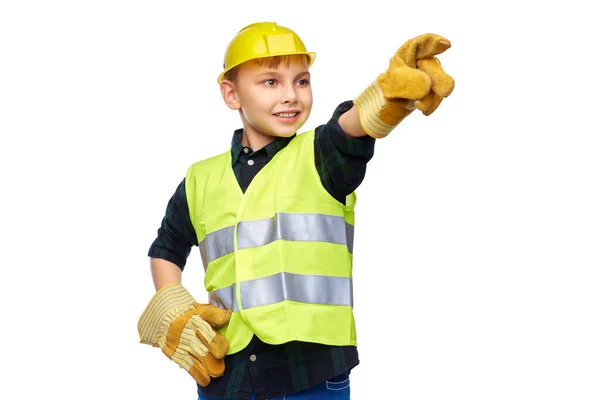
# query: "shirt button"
x,y
250,162
253,357
246,150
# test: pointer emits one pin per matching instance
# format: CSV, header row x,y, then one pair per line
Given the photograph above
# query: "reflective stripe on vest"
x,y
224,298
216,245
283,226
311,289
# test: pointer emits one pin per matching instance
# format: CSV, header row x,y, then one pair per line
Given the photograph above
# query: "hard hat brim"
x,y
311,56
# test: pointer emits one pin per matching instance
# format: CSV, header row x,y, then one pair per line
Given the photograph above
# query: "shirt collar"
x,y
272,148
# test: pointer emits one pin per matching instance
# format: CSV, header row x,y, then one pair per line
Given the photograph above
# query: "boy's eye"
x,y
303,82
270,82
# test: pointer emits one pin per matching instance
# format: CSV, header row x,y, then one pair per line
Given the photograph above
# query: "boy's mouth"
x,y
287,117
287,114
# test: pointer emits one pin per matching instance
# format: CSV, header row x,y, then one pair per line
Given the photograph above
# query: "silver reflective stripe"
x,y
224,298
294,227
312,289
216,244
350,237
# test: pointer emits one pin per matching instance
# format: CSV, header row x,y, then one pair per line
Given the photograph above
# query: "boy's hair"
x,y
271,62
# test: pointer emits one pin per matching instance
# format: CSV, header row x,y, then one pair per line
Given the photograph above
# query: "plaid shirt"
x,y
276,370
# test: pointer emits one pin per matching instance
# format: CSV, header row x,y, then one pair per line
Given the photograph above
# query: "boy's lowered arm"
x,y
183,329
164,272
413,79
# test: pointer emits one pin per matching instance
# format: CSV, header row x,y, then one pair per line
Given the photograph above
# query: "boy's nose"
x,y
289,94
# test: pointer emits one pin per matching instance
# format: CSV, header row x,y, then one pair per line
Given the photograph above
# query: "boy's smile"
x,y
288,117
273,102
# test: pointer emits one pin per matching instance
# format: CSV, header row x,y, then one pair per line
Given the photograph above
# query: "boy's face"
x,y
273,102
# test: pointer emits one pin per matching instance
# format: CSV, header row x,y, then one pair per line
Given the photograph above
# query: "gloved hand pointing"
x,y
414,78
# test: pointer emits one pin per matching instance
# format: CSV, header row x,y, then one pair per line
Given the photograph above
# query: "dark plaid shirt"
x,y
275,370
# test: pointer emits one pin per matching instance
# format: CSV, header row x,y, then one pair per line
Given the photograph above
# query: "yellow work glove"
x,y
414,79
183,329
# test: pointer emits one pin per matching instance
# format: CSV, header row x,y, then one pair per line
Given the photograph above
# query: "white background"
x,y
477,241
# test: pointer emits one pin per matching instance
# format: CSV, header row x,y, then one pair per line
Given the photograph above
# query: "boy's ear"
x,y
229,95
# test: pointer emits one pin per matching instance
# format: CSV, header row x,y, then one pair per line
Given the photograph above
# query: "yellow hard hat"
x,y
259,40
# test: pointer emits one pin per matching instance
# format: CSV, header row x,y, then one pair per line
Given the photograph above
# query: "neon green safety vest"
x,y
279,255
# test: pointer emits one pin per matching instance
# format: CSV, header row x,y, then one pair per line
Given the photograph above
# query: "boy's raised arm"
x,y
414,79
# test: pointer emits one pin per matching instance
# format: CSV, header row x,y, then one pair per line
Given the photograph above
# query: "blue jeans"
x,y
326,390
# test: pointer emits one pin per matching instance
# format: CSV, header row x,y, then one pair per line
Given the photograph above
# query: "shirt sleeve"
x,y
340,159
176,235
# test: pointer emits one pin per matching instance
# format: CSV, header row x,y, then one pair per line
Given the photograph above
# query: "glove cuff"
x,y
370,102
379,116
167,304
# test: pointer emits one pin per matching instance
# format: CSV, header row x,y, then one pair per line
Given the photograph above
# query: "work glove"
x,y
414,79
185,331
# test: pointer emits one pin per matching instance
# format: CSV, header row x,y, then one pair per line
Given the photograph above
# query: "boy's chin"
x,y
282,134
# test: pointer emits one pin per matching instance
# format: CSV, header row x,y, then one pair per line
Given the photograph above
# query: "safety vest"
x,y
279,255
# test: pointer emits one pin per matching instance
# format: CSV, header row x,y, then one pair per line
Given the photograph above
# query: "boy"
x,y
277,245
